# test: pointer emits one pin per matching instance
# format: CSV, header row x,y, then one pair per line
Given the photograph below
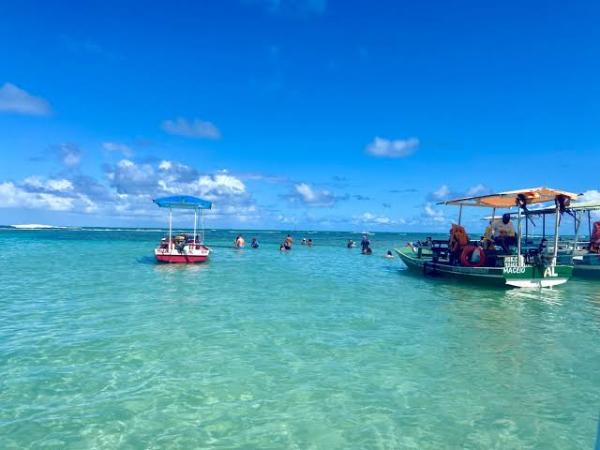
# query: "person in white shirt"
x,y
503,232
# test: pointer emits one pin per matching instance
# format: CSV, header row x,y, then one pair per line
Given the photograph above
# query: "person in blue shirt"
x,y
254,243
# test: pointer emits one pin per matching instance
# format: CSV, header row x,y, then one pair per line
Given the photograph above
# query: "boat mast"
x,y
460,214
556,224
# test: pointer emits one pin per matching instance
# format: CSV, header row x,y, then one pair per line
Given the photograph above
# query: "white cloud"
x,y
165,165
478,189
12,196
386,148
16,100
306,192
370,218
444,192
195,128
441,193
592,195
311,196
214,186
434,214
69,154
56,185
117,147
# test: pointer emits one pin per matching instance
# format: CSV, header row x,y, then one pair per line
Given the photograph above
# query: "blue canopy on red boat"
x,y
182,202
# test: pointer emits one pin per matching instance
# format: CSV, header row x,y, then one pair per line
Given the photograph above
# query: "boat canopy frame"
x,y
184,202
520,198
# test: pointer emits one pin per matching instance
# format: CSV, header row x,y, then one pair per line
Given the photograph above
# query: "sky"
x,y
305,114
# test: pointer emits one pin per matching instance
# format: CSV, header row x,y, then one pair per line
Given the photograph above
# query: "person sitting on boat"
x,y
595,238
503,232
239,241
254,243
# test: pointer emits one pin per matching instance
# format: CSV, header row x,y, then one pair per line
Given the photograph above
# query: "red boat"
x,y
182,248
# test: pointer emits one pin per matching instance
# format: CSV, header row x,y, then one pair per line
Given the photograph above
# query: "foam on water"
x,y
317,348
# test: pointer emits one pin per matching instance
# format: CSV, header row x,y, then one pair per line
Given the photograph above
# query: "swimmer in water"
x,y
309,242
365,245
239,242
389,254
288,242
254,243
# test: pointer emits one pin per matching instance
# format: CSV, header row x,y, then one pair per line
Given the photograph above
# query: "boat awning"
x,y
183,202
575,206
508,199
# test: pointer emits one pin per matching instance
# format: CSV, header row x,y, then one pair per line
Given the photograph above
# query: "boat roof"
x,y
182,202
575,206
508,199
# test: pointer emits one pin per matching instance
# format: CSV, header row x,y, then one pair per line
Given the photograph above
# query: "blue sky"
x,y
313,114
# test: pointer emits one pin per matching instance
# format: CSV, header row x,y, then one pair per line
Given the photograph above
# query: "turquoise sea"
x,y
320,348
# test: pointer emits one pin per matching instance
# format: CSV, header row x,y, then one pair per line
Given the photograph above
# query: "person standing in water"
x,y
239,242
365,245
254,243
288,242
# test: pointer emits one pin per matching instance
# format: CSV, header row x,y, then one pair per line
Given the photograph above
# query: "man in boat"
x,y
503,232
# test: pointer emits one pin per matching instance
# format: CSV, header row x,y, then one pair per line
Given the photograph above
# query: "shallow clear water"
x,y
319,348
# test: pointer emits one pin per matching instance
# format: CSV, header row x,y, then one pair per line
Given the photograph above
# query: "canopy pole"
x,y
590,225
519,257
170,228
526,228
556,225
493,214
460,214
543,226
578,218
202,227
195,223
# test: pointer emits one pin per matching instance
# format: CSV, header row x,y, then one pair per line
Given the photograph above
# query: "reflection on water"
x,y
551,296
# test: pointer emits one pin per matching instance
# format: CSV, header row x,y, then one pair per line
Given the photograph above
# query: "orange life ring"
x,y
465,256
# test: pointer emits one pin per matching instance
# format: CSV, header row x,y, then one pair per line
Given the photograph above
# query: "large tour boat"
x,y
183,248
478,260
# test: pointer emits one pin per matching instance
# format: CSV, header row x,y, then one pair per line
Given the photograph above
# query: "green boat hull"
x,y
528,276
